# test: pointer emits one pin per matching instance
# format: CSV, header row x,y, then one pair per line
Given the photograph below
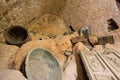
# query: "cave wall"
x,y
93,13
77,13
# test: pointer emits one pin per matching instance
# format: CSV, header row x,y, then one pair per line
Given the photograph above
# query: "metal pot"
x,y
17,35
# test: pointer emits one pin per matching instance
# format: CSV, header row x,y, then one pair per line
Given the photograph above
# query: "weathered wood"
x,y
105,39
112,59
95,67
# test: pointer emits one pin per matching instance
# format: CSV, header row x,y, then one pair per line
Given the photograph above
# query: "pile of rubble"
x,y
65,48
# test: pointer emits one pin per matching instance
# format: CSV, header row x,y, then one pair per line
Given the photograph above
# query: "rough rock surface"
x,y
98,47
2,38
93,13
93,40
81,47
11,75
7,55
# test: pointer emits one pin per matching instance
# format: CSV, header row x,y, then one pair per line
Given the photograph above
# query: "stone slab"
x,y
112,59
96,69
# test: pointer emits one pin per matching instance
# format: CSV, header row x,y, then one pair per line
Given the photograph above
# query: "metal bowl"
x,y
40,64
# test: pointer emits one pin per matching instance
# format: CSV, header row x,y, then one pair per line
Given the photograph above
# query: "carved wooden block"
x,y
95,67
112,59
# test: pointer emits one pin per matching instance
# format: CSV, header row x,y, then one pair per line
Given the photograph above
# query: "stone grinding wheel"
x,y
42,65
49,25
17,35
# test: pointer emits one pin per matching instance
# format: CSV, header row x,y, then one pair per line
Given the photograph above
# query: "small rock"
x,y
68,53
108,45
70,71
93,40
63,43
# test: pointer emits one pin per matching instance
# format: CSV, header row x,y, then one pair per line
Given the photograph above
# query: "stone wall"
x,y
77,13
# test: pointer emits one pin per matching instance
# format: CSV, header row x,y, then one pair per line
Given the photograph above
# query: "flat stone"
x,y
95,67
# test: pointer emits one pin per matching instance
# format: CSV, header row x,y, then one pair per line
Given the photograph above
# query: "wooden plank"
x,y
105,39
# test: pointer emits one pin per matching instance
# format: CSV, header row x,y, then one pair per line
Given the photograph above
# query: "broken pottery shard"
x,y
42,65
112,58
95,67
105,39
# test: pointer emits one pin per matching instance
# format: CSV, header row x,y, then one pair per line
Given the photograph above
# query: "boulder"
x,y
7,55
11,75
70,70
23,51
48,44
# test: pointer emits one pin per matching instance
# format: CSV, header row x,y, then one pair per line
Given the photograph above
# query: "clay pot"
x,y
16,35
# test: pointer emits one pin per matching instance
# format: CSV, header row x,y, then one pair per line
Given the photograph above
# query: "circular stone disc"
x,y
42,65
49,25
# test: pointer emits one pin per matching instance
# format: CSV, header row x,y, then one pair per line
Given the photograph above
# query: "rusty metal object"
x,y
95,67
86,31
42,65
17,35
112,58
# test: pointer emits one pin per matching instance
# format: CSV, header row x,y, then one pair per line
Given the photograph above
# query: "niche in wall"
x,y
112,25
